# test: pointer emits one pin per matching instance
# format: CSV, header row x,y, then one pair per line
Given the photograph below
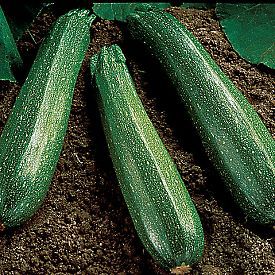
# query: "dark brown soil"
x,y
83,226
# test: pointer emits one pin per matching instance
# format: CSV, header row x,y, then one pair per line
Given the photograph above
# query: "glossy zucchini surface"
x,y
162,211
32,138
233,135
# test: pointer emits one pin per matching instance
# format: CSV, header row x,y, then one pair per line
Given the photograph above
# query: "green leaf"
x,y
20,14
119,11
250,28
9,55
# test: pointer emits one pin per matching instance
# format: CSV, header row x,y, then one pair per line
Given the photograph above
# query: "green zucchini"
x,y
32,138
235,139
162,211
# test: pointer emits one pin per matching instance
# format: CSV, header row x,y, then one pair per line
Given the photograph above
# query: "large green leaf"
x,y
119,11
9,55
20,14
250,28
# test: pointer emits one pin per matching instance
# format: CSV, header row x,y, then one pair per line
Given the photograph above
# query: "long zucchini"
x,y
235,138
32,138
162,211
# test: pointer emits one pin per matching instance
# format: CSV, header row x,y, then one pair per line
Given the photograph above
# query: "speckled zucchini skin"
x,y
32,138
235,138
162,211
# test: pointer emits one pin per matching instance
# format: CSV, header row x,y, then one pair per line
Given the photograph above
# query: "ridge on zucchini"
x,y
233,135
33,136
162,211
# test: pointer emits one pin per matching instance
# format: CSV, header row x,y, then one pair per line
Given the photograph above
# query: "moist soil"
x,y
83,226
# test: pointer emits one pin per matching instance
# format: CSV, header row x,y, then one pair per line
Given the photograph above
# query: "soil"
x,y
83,226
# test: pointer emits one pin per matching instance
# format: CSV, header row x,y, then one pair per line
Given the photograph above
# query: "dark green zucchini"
x,y
161,209
235,138
32,138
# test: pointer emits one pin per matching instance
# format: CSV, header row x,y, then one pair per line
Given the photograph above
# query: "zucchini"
x,y
32,138
162,211
235,139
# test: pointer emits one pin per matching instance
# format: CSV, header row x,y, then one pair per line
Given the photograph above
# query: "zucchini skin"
x,y
162,211
33,136
233,135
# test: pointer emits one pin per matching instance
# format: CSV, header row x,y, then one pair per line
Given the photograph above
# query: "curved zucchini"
x,y
234,136
162,211
32,138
